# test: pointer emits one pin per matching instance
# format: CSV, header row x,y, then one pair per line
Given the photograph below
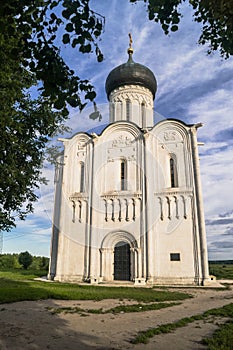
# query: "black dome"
x,y
131,73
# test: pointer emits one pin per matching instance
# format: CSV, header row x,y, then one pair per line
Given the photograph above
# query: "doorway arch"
x,y
109,263
122,261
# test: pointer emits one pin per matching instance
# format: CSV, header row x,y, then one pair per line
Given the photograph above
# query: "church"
x,y
128,201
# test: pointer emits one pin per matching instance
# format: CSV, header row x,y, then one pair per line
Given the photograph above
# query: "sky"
x,y
192,86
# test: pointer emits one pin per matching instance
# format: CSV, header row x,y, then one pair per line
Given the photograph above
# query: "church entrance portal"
x,y
122,261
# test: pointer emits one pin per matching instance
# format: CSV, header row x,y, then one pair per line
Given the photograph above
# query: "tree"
x,y
9,261
30,57
216,17
25,259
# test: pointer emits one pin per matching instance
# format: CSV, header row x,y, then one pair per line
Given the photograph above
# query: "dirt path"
x,y
30,325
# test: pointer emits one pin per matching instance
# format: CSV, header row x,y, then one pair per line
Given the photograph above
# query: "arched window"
x,y
173,172
82,176
143,114
123,175
128,109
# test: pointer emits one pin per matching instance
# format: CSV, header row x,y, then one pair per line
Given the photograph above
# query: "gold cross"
x,y
130,40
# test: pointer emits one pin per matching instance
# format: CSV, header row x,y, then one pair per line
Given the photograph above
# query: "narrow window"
x,y
81,177
123,175
175,257
128,109
173,173
143,111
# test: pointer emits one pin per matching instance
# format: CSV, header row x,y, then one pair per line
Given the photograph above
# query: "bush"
x,y
9,261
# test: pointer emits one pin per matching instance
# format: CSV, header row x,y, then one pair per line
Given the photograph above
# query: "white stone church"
x,y
128,202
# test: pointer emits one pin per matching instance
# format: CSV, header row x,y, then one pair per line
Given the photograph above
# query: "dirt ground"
x,y
31,325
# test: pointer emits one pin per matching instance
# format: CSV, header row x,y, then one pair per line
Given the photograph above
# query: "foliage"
x,y
216,17
35,27
221,271
25,259
10,261
30,56
40,263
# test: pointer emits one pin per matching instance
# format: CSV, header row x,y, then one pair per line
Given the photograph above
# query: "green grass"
x,y
114,310
144,336
220,335
20,286
20,274
222,338
221,271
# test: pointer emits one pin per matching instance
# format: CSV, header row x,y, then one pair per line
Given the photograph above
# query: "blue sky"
x,y
192,87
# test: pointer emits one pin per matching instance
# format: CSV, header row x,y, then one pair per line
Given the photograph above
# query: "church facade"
x,y
128,202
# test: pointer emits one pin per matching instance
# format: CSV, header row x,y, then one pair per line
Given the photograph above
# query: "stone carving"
x,y
121,208
140,95
129,158
174,204
81,154
123,145
122,141
81,147
170,136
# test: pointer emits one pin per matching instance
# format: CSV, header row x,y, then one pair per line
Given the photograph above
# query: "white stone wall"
x,y
153,216
141,105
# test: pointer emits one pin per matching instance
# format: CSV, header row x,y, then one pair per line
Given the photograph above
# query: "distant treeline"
x,y
225,262
11,261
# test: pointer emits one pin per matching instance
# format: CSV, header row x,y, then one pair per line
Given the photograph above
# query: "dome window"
x,y
128,109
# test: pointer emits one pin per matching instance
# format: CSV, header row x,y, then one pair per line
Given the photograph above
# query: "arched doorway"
x,y
122,261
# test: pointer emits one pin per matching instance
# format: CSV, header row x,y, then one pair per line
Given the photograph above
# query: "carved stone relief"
x,y
174,204
81,148
139,94
122,146
120,208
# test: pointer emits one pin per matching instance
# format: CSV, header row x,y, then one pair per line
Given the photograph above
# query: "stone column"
x,y
89,212
199,204
56,218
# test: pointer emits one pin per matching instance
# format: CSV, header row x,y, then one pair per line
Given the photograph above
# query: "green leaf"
x,y
69,27
90,95
53,16
85,48
59,103
73,101
174,28
100,57
66,14
66,39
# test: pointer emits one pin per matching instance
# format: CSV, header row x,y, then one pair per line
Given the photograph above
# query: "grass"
x,y
20,286
20,274
221,271
222,338
221,335
114,310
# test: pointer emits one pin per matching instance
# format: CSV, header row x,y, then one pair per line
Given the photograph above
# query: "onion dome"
x,y
131,73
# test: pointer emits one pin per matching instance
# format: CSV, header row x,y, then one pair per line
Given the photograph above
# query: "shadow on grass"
x,y
19,290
